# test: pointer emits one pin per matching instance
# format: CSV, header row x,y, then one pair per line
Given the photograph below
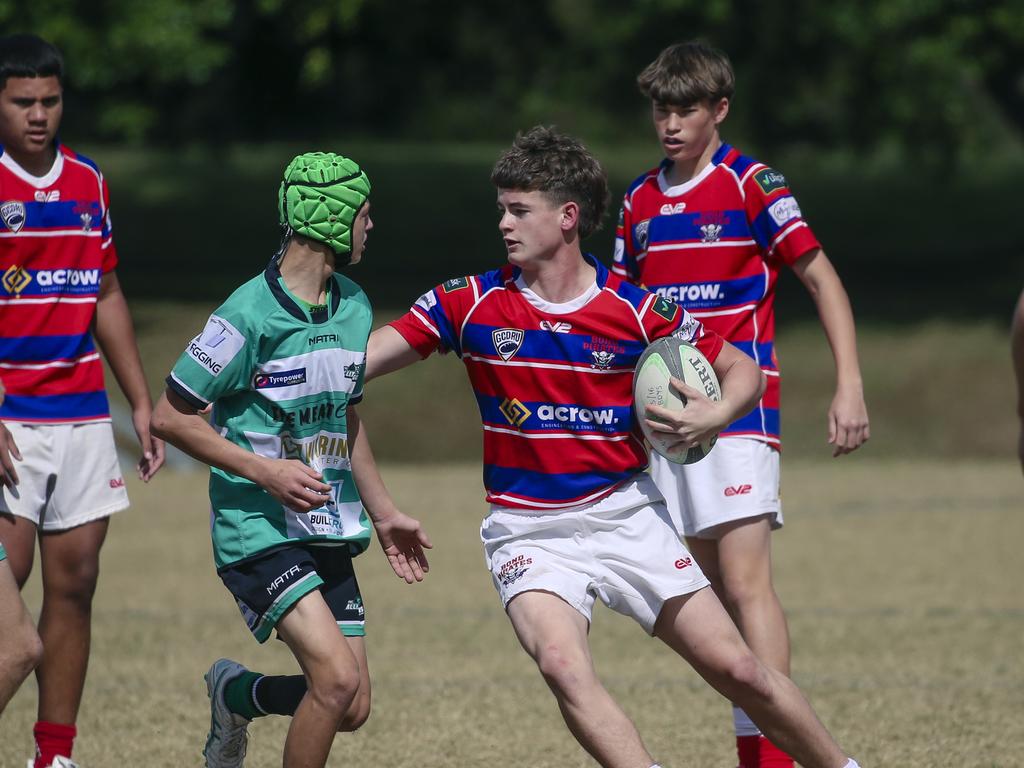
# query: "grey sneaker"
x,y
227,740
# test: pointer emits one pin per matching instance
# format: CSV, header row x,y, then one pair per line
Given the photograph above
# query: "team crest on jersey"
x,y
602,359
16,279
13,214
352,371
711,224
507,341
640,234
514,411
665,308
455,284
769,180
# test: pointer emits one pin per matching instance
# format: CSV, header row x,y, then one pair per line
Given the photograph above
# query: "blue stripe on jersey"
x,y
20,349
685,227
73,407
765,228
494,279
548,487
752,422
714,295
65,214
540,416
50,282
571,348
740,165
764,352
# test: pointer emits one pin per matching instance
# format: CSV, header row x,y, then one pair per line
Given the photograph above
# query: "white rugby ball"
x,y
665,358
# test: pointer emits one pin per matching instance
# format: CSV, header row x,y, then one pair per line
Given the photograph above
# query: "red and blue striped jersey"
x,y
553,381
55,245
715,244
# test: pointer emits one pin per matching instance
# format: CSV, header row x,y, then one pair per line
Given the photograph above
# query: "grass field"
x,y
901,578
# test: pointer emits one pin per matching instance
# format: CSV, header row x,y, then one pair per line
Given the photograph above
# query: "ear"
x,y
720,110
570,216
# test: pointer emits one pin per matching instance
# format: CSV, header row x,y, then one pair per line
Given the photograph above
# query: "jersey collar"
x,y
273,273
39,182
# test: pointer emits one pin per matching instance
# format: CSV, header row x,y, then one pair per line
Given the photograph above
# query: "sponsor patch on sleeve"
x,y
217,345
769,180
455,284
427,301
665,308
784,209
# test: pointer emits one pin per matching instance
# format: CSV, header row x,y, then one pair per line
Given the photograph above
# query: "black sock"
x,y
279,694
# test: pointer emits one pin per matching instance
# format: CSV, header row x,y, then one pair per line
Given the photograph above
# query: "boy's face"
x,y
685,132
30,112
360,229
532,226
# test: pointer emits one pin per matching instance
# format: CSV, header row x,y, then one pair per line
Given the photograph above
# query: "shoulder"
x,y
74,158
632,294
640,180
351,290
248,306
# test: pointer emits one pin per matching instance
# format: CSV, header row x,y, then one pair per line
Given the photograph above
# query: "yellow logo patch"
x,y
16,279
515,411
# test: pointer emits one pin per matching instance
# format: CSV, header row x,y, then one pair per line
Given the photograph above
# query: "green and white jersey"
x,y
281,377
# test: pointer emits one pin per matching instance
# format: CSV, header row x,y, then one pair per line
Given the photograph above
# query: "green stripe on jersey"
x,y
281,384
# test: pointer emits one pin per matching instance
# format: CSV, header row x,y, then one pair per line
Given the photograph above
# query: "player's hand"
x,y
297,486
848,427
698,422
8,453
152,447
403,541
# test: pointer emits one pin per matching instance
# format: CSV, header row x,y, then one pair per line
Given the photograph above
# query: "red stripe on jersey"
x,y
84,376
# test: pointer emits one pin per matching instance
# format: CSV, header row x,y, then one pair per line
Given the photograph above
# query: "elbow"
x,y
159,423
762,383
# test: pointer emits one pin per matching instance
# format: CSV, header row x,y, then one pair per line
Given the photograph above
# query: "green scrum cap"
x,y
320,195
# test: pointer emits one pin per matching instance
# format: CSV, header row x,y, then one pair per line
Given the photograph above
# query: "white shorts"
x,y
621,549
68,475
738,480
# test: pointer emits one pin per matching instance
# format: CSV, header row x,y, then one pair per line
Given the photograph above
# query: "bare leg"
x,y
698,629
332,679
71,565
20,647
359,711
740,559
555,635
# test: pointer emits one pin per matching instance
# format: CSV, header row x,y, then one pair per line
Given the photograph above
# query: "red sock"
x,y
52,739
758,752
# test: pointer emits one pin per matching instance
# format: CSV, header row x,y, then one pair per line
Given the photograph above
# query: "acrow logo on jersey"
x,y
217,345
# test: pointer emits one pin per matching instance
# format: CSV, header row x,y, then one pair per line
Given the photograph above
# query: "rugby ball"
x,y
665,358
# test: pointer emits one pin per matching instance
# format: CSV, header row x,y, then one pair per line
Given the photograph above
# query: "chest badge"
x,y
507,341
13,214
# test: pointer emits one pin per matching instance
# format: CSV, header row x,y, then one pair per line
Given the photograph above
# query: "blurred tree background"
x,y
898,122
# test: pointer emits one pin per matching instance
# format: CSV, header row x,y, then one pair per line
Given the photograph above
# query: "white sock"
x,y
851,763
744,725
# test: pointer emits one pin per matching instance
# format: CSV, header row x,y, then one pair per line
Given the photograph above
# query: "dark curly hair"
x,y
544,160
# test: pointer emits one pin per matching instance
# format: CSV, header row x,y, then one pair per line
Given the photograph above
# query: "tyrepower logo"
x,y
279,379
738,490
683,562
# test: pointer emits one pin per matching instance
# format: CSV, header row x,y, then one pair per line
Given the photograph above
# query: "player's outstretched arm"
x,y
116,336
291,482
387,351
1017,347
742,384
848,426
401,537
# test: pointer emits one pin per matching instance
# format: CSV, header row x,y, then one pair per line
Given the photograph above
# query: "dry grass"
x,y
901,579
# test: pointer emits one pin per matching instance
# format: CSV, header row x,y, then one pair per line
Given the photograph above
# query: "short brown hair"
x,y
688,73
544,160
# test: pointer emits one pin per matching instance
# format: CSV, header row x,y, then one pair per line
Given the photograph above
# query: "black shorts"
x,y
266,586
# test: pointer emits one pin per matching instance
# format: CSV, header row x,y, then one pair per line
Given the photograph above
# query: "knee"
x,y
745,677
76,584
24,652
565,671
358,712
739,591
336,689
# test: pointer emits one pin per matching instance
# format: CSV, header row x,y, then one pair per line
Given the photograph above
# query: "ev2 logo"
x,y
557,327
668,209
738,490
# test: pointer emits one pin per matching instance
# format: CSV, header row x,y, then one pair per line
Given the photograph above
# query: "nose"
x,y
37,112
673,123
369,223
505,223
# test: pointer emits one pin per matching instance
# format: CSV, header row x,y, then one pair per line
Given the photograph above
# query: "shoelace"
x,y
234,741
